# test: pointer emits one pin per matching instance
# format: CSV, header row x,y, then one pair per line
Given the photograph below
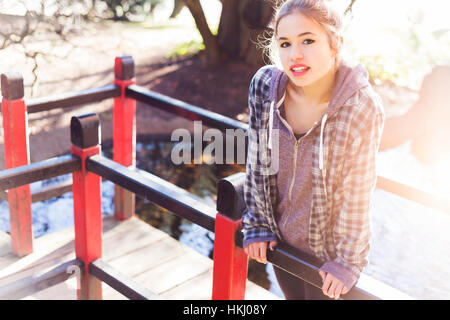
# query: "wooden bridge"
x,y
122,257
135,250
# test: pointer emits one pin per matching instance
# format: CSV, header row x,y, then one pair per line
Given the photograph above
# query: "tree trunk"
x,y
229,28
212,49
178,5
241,23
256,15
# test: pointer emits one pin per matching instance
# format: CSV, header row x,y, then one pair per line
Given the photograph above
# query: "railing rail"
x,y
27,286
413,194
38,171
183,109
155,189
72,99
120,282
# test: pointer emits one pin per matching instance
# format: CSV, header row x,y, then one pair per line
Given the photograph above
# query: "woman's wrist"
x,y
258,239
348,277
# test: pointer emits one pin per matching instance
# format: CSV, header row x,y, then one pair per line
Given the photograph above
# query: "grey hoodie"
x,y
343,146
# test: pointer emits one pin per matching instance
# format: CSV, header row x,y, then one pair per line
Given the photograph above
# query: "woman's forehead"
x,y
298,24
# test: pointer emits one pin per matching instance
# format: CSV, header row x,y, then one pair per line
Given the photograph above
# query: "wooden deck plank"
x,y
66,290
185,267
55,248
134,248
59,245
5,244
200,288
122,243
148,257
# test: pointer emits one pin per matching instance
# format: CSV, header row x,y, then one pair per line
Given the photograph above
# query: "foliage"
x,y
187,48
126,9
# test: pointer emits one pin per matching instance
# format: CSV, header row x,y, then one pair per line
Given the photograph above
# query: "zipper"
x,y
295,153
294,173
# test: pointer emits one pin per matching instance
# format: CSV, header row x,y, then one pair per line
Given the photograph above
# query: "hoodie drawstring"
x,y
322,127
321,156
269,143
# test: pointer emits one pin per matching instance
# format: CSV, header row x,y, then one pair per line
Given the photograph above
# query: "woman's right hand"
x,y
257,250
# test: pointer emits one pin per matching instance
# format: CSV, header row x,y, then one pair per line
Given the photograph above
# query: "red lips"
x,y
299,73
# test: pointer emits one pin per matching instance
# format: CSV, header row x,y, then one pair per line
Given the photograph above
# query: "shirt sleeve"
x,y
351,231
254,222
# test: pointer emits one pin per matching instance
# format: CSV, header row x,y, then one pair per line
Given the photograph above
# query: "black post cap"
x,y
230,196
124,68
85,130
12,86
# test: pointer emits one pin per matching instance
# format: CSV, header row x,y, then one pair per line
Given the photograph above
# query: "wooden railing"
x,y
230,261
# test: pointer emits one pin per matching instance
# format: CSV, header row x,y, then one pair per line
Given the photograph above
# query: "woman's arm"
x,y
351,229
254,220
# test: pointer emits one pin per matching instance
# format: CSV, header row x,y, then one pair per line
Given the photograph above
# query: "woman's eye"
x,y
308,41
284,45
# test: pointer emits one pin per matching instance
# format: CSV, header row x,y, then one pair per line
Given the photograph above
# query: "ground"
x,y
89,63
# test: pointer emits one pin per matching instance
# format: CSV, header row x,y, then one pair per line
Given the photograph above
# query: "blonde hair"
x,y
320,11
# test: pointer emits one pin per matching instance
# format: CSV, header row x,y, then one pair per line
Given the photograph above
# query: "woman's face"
x,y
304,49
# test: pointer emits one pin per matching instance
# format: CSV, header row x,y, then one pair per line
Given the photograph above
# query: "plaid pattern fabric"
x,y
339,223
258,219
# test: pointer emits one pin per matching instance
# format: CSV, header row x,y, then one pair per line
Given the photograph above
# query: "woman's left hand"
x,y
332,286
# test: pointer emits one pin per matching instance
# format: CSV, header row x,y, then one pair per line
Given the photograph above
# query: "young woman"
x,y
326,121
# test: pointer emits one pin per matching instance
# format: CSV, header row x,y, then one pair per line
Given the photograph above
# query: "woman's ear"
x,y
338,45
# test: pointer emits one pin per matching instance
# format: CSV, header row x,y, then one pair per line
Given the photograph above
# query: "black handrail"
x,y
24,287
155,189
183,109
120,282
42,170
71,99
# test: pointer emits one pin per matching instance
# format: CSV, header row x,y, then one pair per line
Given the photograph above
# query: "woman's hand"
x,y
257,250
332,286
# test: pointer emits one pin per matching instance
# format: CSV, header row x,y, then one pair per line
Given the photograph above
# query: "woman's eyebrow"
x,y
299,35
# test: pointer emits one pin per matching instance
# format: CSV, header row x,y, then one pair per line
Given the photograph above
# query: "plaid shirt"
x,y
339,229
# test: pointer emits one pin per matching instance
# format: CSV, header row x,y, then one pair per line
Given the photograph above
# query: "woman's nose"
x,y
296,53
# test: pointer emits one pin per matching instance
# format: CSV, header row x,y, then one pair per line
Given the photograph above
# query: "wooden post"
x,y
230,261
15,127
85,134
124,134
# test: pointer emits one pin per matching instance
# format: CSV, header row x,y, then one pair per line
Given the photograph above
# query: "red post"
x,y
87,202
124,134
230,261
15,127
